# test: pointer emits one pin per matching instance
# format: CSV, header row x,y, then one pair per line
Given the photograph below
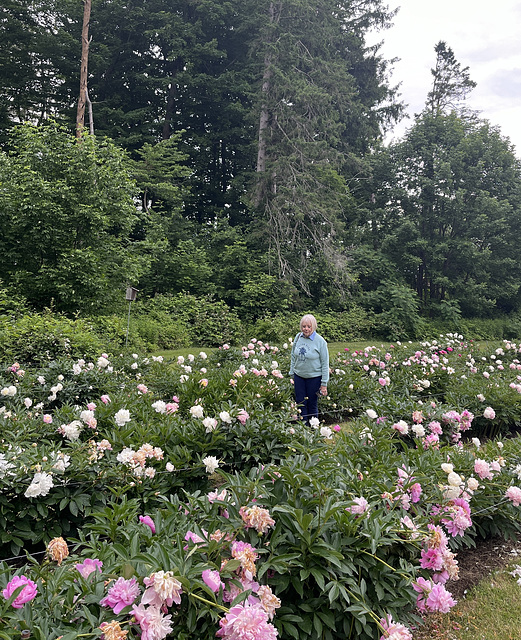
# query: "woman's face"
x,y
306,329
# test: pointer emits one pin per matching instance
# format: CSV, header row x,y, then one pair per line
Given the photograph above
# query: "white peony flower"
x,y
122,417
454,479
197,411
71,431
447,467
40,485
326,432
211,463
418,430
472,484
210,424
159,406
371,413
314,422
225,416
5,466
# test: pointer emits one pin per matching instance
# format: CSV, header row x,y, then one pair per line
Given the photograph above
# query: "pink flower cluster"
x,y
437,556
432,596
457,517
407,491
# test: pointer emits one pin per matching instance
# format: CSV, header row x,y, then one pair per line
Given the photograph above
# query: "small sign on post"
x,y
130,295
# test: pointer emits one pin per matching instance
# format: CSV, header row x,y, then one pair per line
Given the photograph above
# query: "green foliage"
x,y
39,338
67,212
341,326
196,320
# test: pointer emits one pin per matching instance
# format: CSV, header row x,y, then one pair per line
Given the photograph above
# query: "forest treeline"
x,y
237,156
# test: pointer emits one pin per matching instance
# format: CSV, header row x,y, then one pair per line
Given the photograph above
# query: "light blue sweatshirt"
x,y
310,357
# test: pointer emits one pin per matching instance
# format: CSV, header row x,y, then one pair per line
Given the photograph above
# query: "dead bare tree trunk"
x,y
274,15
80,115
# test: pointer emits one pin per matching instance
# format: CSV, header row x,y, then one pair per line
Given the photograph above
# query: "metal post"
x,y
128,322
130,295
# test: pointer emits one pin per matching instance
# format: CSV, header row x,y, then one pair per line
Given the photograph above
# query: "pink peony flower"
x,y
154,624
439,599
394,630
27,594
121,594
489,413
435,427
514,494
162,588
246,621
416,492
482,469
243,416
47,418
105,399
256,518
212,579
149,522
361,506
88,566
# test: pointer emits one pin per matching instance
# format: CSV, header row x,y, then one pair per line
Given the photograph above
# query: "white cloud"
x,y
484,37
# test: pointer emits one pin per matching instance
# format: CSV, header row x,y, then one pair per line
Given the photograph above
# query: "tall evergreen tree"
x,y
451,83
319,88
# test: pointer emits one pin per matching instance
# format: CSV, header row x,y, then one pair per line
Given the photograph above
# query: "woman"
x,y
309,370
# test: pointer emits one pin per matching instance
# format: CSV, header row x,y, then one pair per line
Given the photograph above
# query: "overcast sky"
x,y
485,35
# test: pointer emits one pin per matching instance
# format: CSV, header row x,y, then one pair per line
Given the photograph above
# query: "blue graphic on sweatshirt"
x,y
302,352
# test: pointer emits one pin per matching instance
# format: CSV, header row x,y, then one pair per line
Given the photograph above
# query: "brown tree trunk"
x,y
80,115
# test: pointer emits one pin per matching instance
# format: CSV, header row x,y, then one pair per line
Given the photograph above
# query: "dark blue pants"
x,y
306,395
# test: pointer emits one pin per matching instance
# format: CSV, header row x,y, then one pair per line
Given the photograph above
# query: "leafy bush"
x,y
38,338
192,320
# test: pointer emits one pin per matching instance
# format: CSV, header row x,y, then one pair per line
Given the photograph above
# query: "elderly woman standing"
x,y
309,370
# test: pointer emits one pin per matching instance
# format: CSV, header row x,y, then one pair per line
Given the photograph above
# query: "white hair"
x,y
308,318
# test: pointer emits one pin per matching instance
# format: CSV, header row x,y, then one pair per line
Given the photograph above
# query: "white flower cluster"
x,y
8,391
40,485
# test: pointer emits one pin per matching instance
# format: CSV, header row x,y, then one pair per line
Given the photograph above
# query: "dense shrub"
x,y
39,338
194,320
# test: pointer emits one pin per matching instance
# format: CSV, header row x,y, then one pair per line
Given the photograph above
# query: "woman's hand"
x,y
323,390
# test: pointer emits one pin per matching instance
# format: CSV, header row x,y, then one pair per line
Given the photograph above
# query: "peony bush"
x,y
150,499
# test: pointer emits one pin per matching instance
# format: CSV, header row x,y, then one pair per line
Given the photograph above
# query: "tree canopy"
x,y
238,152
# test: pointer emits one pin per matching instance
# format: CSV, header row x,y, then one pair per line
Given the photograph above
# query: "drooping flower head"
x,y
57,550
149,522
